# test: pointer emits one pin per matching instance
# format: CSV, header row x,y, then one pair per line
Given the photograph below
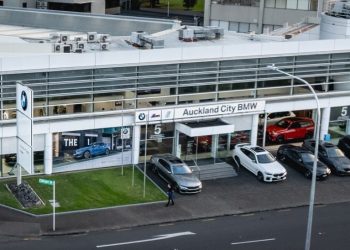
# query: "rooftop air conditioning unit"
x,y
104,38
136,38
104,46
66,48
81,45
64,38
57,47
92,37
78,39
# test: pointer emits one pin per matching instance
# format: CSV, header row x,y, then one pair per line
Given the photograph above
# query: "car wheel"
x,y
308,174
87,155
155,169
309,136
238,161
280,139
280,156
107,151
260,177
177,188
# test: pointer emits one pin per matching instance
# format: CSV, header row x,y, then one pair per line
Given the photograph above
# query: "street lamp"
x,y
317,138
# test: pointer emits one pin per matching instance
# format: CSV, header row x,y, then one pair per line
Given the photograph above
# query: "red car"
x,y
290,129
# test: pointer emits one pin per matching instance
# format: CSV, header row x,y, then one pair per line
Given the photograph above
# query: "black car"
x,y
302,160
344,145
330,155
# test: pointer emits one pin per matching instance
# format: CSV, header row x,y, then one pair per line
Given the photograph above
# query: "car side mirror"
x,y
254,161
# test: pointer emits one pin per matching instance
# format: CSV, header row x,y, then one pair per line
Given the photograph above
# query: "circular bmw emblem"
x,y
24,100
142,116
125,131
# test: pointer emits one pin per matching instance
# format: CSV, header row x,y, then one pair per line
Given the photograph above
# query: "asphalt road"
x,y
283,229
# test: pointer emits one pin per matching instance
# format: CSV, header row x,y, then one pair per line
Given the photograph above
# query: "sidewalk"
x,y
242,194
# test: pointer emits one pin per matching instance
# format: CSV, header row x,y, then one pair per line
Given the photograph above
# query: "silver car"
x,y
175,172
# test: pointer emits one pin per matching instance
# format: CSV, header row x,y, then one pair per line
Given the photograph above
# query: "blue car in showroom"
x,y
95,149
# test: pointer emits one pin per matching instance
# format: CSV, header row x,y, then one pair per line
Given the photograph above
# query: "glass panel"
x,y
303,4
70,105
114,101
292,4
270,4
274,88
73,150
233,26
281,4
243,27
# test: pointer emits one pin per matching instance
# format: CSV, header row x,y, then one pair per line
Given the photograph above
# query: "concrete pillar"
x,y
254,131
177,148
261,16
207,12
214,145
325,116
136,136
48,154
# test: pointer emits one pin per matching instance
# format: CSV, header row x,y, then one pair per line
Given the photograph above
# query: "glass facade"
x,y
128,88
74,150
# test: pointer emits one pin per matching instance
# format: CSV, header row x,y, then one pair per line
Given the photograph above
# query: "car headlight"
x,y
267,173
200,185
328,171
183,187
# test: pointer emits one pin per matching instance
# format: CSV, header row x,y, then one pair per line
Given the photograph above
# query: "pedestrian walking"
x,y
170,195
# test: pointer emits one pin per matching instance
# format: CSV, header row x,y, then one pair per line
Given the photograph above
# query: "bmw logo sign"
x,y
24,100
142,116
125,131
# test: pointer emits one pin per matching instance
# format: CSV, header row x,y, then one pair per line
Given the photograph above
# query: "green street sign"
x,y
46,182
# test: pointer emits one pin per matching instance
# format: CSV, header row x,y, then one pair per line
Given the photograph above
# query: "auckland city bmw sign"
x,y
202,111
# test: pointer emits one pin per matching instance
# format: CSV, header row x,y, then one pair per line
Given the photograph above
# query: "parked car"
x,y
260,162
95,149
176,172
272,118
330,155
302,160
290,129
344,145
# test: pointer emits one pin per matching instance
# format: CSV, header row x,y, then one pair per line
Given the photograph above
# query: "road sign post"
x,y
53,184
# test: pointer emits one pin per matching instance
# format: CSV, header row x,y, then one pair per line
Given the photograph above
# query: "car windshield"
x,y
266,158
334,152
181,169
283,124
307,157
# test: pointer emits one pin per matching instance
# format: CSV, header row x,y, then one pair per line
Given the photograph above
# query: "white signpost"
x,y
24,110
53,184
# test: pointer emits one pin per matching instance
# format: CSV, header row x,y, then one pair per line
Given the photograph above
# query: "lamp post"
x,y
314,168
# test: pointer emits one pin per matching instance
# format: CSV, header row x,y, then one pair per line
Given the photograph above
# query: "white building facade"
x,y
192,99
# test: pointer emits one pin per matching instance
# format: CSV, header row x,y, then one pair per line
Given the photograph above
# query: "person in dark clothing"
x,y
170,195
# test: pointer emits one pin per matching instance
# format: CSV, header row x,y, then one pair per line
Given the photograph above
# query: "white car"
x,y
260,162
272,118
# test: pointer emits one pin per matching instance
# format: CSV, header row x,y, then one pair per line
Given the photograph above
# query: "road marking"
x,y
251,241
158,237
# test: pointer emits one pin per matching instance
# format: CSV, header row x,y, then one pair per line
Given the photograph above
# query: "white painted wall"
x,y
133,56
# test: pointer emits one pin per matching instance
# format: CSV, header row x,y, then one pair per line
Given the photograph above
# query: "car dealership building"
x,y
194,92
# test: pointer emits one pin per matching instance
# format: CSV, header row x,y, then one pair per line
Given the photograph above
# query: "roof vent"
x,y
195,33
142,39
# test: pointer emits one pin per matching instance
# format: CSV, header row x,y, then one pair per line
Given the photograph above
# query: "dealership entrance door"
x,y
205,142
